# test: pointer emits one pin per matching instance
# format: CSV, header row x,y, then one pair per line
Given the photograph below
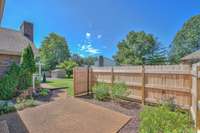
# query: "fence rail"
x,y
148,84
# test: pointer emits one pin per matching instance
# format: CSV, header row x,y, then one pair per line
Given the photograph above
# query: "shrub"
x,y
162,120
119,90
37,83
24,103
68,66
43,92
27,68
6,108
9,82
25,80
44,78
101,91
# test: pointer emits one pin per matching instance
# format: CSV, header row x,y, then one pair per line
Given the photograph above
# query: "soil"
x,y
126,107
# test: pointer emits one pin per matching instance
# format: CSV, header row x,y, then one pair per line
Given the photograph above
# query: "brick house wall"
x,y
6,61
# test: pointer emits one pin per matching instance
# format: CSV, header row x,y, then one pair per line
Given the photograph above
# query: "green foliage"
x,y
8,84
158,56
78,59
134,48
37,83
68,66
27,60
25,80
162,120
101,91
24,103
6,108
187,40
44,92
53,51
44,78
27,68
119,90
90,60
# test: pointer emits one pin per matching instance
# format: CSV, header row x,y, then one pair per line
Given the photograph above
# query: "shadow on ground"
x,y
14,122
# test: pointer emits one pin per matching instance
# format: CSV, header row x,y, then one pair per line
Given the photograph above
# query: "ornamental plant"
x,y
162,120
8,83
101,91
27,68
119,90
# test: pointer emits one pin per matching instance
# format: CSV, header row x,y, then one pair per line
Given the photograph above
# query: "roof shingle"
x,y
13,42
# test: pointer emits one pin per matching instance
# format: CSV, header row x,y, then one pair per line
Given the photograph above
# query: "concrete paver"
x,y
72,115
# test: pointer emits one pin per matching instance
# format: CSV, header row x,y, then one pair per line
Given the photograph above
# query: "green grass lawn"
x,y
68,83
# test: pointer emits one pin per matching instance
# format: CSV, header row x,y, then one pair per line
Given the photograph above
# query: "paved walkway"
x,y
71,115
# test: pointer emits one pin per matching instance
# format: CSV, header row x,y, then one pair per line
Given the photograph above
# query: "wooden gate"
x,y
81,81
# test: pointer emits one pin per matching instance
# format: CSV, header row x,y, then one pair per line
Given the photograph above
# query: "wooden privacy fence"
x,y
148,84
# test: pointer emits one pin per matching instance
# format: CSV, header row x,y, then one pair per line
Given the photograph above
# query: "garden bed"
x,y
128,108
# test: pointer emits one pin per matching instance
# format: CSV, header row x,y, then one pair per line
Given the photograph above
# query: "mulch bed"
x,y
126,107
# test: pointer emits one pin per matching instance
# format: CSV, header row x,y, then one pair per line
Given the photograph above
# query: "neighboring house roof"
x,y
105,62
193,56
13,42
2,2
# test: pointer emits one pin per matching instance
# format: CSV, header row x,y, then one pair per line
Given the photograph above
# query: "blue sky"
x,y
96,26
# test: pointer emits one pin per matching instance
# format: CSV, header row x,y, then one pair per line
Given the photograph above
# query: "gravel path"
x,y
129,108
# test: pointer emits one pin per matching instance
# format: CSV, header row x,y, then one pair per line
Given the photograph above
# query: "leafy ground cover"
x,y
59,83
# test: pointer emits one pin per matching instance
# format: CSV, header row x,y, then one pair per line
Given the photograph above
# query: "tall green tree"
x,y
54,50
187,40
135,47
27,60
27,68
158,56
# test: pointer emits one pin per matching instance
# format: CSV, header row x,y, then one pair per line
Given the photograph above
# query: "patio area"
x,y
66,115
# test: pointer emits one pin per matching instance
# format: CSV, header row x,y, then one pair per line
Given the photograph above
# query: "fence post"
x,y
143,85
198,101
74,81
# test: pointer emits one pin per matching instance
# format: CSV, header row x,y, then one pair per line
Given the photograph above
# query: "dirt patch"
x,y
131,109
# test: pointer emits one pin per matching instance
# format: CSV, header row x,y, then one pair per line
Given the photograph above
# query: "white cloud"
x,y
89,49
88,35
99,36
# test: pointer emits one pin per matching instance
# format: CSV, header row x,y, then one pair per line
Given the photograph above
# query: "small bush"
x,y
9,82
6,108
24,103
44,92
25,80
101,91
119,90
162,120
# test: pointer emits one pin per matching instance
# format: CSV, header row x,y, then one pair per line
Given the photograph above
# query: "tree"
x,y
27,68
90,60
134,48
68,66
78,59
27,60
158,56
53,51
187,40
